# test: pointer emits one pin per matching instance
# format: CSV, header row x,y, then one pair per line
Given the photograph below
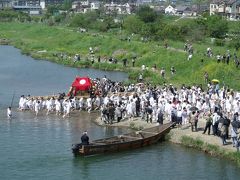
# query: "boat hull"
x,y
125,142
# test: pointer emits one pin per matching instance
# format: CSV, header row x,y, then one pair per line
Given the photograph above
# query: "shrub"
x,y
219,42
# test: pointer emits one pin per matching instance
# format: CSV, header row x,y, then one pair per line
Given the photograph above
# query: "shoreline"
x,y
184,136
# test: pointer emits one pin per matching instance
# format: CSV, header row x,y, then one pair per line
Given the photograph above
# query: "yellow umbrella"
x,y
215,81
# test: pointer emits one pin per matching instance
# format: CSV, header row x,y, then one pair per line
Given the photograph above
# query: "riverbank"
x,y
209,144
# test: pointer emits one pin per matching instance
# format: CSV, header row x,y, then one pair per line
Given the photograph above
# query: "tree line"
x,y
145,22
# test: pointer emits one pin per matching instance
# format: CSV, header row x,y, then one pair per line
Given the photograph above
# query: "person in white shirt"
x,y
67,107
97,103
89,104
9,112
48,106
81,104
184,116
129,109
57,107
37,107
215,118
179,116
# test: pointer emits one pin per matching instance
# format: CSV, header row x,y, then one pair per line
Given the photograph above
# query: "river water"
x,y
40,147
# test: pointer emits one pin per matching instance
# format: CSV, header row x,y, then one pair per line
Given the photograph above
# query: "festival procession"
x,y
217,106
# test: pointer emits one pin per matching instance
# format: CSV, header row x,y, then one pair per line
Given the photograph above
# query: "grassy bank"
x,y
32,38
213,150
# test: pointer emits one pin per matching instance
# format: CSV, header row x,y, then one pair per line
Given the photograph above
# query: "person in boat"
x,y
85,138
84,141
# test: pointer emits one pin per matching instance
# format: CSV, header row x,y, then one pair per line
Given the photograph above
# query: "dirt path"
x,y
177,133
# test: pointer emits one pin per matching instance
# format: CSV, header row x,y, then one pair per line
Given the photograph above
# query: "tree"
x,y
133,24
78,21
109,22
146,14
67,4
216,26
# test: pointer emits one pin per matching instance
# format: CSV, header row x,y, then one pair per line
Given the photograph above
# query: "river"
x,y
40,147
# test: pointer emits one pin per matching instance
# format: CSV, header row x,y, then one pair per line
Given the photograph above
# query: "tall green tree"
x,y
216,26
67,4
146,14
133,24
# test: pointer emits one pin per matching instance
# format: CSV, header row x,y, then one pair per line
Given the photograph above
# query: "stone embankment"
x,y
4,41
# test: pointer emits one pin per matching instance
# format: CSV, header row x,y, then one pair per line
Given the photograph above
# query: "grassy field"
x,y
31,38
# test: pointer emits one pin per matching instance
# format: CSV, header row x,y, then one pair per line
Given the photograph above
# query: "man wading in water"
x,y
9,112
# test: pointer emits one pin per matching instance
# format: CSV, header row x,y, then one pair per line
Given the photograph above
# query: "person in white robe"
x,y
129,109
184,116
57,107
89,104
97,103
81,104
67,107
48,106
37,107
9,112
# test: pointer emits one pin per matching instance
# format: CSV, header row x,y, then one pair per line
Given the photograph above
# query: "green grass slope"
x,y
31,38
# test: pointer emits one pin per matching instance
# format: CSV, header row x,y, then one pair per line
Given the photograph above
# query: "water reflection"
x,y
165,160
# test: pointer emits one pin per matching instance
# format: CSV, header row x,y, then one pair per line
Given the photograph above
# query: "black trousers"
x,y
207,127
215,129
119,119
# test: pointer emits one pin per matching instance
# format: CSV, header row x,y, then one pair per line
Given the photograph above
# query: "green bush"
x,y
219,42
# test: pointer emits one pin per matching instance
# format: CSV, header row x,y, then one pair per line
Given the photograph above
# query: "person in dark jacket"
x,y
85,139
208,124
149,113
160,117
111,113
227,123
138,106
223,129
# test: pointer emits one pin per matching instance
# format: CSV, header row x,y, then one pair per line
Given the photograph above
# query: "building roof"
x,y
228,2
27,7
172,5
183,8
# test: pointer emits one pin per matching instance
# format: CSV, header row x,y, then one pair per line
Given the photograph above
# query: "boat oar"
x,y
12,98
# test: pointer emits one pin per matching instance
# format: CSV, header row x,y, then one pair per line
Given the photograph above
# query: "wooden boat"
x,y
123,142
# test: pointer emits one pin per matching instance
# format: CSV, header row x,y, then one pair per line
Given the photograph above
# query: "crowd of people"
x,y
116,101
